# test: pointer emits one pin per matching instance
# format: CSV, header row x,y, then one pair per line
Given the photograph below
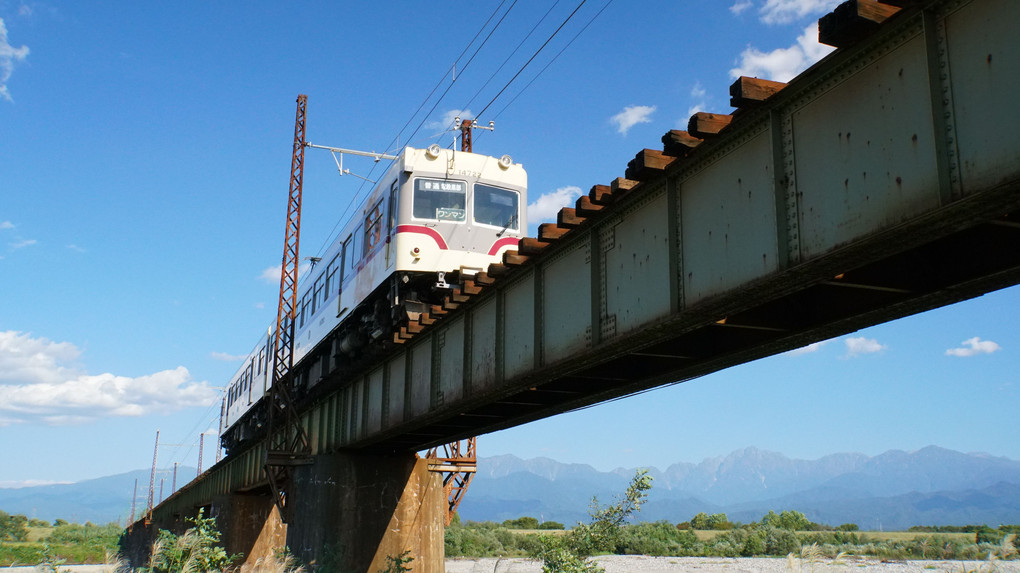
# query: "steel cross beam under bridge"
x,y
883,181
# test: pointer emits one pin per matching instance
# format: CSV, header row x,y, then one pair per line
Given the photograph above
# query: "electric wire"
x,y
357,194
480,46
514,52
532,58
554,58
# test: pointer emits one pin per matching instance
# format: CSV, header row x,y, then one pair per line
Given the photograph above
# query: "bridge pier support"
x,y
251,525
353,510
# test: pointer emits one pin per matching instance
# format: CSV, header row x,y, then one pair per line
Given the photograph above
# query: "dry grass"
x,y
37,534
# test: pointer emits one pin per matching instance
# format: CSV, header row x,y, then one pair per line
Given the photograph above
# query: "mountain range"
x,y
893,490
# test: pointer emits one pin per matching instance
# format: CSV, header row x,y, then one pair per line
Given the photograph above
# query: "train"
x,y
434,213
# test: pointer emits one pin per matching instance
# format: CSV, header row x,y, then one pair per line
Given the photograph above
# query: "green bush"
x,y
659,539
13,527
521,523
197,550
88,534
986,534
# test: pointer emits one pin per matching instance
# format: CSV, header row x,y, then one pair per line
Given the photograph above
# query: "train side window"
x,y
351,251
394,187
316,290
346,260
496,207
440,199
373,226
301,311
331,278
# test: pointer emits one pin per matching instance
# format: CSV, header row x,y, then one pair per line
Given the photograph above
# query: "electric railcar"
x,y
434,212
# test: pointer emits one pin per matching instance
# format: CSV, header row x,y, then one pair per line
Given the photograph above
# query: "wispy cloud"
x,y
75,248
271,275
9,55
631,116
30,483
545,208
973,347
446,122
860,345
739,6
782,64
6,225
786,11
22,243
224,357
41,382
813,347
699,97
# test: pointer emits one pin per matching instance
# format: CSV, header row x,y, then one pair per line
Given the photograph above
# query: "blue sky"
x,y
144,165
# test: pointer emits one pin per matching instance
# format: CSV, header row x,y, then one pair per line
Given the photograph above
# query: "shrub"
x,y
570,552
197,550
660,539
521,523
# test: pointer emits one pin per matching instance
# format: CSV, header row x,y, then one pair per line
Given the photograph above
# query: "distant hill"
x,y
101,500
893,490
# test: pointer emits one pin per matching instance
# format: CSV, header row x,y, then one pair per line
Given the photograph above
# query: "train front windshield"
x,y
496,207
439,199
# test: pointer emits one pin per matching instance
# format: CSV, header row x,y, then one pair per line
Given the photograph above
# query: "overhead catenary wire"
x,y
515,50
396,138
554,58
532,58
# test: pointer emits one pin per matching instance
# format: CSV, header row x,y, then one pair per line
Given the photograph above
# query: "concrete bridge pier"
x,y
353,510
250,524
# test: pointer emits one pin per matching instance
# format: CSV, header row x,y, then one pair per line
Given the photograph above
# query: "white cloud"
x,y
631,116
974,346
782,64
30,483
8,56
699,95
272,275
447,122
6,225
860,345
545,208
739,6
75,248
22,243
41,382
813,347
223,356
786,11
24,10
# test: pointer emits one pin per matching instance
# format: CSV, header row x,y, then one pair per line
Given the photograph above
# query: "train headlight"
x,y
506,161
433,151
416,252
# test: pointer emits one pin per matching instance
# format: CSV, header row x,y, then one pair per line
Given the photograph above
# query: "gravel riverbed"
x,y
642,564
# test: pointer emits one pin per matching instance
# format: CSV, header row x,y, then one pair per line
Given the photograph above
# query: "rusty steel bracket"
x,y
458,465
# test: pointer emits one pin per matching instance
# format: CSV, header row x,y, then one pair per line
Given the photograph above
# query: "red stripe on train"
x,y
422,230
504,242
